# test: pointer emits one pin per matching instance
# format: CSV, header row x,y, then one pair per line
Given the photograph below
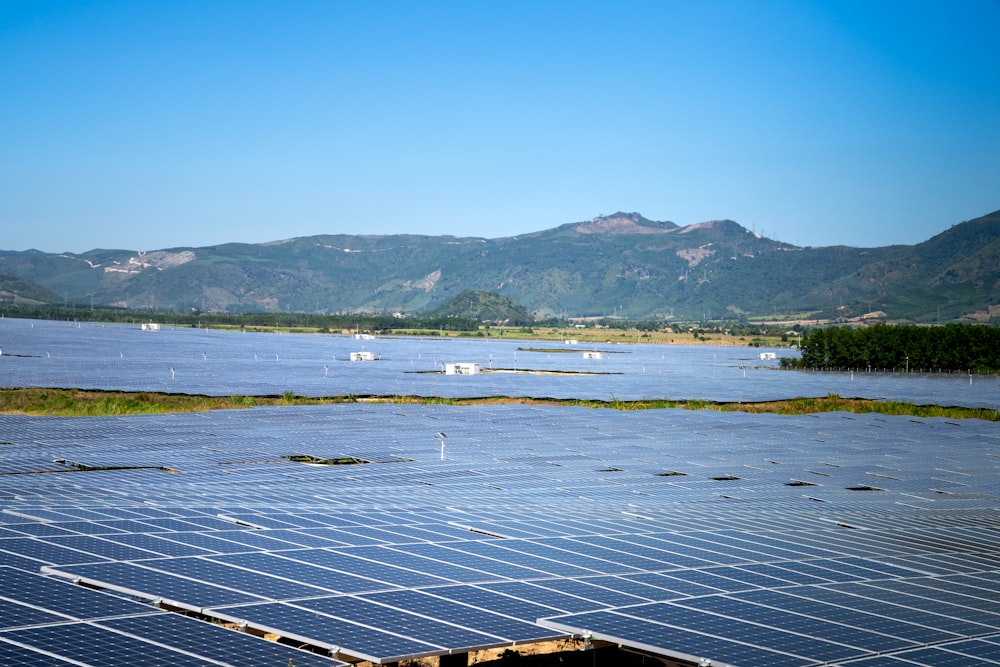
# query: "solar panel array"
x,y
199,361
833,539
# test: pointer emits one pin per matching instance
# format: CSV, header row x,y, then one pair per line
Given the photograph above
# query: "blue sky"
x,y
155,124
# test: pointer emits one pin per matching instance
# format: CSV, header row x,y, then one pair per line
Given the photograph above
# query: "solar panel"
x,y
98,646
489,621
338,635
13,655
565,513
452,636
150,584
61,598
672,641
214,642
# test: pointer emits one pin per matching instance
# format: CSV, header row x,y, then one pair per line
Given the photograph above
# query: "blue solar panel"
x,y
154,585
98,646
534,511
366,612
235,578
212,641
466,614
351,638
354,563
287,567
62,598
848,616
12,655
676,641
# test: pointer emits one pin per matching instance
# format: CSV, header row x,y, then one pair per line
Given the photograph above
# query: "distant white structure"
x,y
593,355
766,356
461,369
151,326
571,341
361,336
362,356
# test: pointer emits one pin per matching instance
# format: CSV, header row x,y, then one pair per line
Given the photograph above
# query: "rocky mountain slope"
x,y
617,265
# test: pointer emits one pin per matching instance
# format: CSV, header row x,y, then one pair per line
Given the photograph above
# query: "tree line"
x,y
948,348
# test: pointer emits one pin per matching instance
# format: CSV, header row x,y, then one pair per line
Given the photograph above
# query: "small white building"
x,y
151,326
362,356
461,369
592,355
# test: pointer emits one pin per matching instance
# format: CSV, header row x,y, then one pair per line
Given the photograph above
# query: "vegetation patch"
x,y
952,348
90,403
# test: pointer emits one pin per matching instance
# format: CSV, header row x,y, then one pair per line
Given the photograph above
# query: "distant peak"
x,y
624,223
715,224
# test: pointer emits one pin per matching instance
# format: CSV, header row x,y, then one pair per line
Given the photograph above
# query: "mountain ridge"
x,y
619,264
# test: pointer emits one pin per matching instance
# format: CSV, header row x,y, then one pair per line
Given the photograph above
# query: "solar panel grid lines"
x,y
790,640
493,567
766,575
809,572
487,621
17,655
680,544
354,562
132,578
933,618
987,648
938,657
339,636
45,552
583,563
35,530
676,551
941,564
614,550
858,637
783,546
389,619
598,590
529,590
886,624
674,587
252,541
475,595
14,614
96,646
680,643
238,649
969,598
259,584
632,586
100,547
284,566
159,544
498,550
409,559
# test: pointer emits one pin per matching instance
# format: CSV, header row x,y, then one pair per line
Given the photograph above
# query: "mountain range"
x,y
619,265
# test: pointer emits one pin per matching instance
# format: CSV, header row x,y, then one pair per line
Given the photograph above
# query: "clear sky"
x,y
148,124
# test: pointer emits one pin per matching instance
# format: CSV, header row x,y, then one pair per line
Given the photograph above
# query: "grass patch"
x,y
88,403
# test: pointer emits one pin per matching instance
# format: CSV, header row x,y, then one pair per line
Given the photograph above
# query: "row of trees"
x,y
333,322
952,347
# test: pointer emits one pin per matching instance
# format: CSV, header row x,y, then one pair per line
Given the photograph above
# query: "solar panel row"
x,y
746,539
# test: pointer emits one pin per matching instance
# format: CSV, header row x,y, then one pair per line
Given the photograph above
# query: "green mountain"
x,y
483,307
618,265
